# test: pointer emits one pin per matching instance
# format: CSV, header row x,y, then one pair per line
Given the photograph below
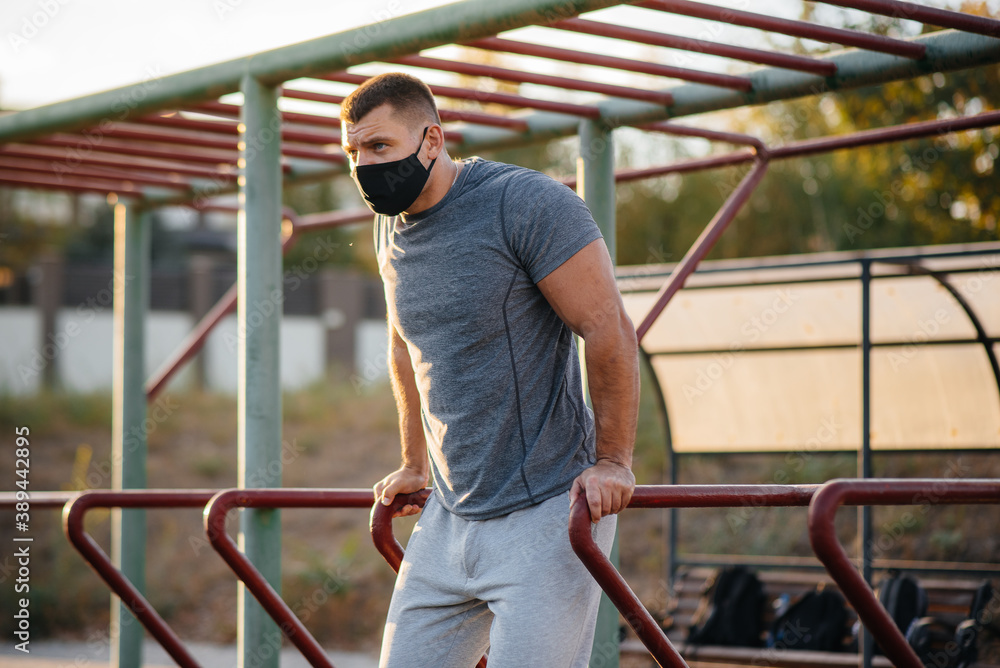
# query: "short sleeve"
x,y
545,223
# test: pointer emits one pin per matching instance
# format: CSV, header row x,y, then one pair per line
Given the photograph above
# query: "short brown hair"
x,y
407,94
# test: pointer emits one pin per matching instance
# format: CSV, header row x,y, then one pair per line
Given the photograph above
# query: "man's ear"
x,y
434,141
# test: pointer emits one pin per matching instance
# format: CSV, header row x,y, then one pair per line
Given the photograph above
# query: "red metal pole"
x,y
584,58
713,135
703,244
855,38
823,537
824,68
504,74
486,96
55,156
914,12
215,528
73,526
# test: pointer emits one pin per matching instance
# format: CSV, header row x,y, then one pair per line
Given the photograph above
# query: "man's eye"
x,y
378,146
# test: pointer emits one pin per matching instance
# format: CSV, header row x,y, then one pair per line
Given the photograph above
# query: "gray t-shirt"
x,y
496,369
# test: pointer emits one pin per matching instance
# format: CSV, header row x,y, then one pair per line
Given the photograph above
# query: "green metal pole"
x,y
259,323
596,185
128,441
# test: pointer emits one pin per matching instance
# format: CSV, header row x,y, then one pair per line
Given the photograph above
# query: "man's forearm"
x,y
404,388
613,378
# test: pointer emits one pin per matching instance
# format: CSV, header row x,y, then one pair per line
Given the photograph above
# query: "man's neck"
x,y
442,177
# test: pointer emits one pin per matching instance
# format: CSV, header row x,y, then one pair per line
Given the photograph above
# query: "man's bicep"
x,y
582,290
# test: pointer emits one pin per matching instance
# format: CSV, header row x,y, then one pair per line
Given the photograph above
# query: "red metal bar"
x,y
703,244
385,541
823,537
86,146
477,117
824,68
938,17
57,157
599,60
813,146
68,183
73,516
215,528
668,496
288,132
486,96
855,38
882,135
504,74
713,135
40,166
199,140
326,98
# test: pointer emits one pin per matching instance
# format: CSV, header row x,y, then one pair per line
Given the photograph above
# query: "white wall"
x,y
21,361
82,348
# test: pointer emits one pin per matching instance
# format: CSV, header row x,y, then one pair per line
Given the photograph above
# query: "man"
x,y
489,269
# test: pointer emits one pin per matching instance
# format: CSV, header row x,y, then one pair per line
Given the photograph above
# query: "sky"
x,y
53,50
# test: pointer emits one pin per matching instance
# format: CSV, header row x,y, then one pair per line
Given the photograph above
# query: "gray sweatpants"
x,y
511,584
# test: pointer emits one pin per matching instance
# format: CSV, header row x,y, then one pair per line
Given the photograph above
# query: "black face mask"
x,y
390,188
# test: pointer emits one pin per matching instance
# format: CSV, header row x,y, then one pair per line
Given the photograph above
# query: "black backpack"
x,y
904,599
817,621
731,611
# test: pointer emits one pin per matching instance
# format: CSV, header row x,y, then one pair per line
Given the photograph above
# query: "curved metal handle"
x,y
381,525
614,585
382,536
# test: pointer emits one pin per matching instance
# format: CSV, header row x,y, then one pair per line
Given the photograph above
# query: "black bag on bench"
x,y
731,611
817,621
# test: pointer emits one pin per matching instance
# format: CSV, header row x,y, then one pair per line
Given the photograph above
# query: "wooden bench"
x,y
948,602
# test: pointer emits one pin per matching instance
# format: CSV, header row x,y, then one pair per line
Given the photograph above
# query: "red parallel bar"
x,y
824,68
334,122
599,60
938,17
504,74
697,164
703,244
35,165
288,133
200,140
486,97
882,135
215,528
813,146
337,99
668,496
714,135
68,183
60,158
823,537
87,147
385,541
73,516
801,29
